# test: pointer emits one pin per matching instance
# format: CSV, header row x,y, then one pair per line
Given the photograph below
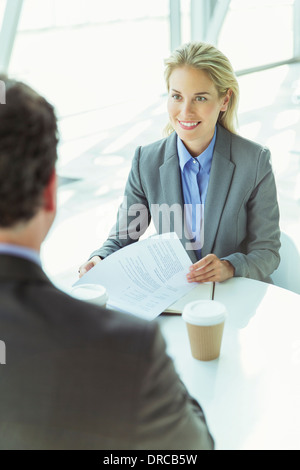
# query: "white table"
x,y
251,394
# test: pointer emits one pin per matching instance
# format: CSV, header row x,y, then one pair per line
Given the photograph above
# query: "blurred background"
x,y
101,64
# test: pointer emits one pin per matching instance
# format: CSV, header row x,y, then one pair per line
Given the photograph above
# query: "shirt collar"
x,y
20,251
205,158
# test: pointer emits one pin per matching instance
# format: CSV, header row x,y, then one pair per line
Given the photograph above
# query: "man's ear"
x,y
50,193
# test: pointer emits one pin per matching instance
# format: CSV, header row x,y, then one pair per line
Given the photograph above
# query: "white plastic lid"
x,y
204,312
90,293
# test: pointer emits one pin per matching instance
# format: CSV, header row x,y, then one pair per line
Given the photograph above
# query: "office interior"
x,y
101,64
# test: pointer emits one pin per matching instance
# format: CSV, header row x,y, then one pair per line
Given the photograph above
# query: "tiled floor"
x,y
93,170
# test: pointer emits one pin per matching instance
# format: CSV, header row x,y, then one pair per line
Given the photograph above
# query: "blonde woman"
x,y
213,187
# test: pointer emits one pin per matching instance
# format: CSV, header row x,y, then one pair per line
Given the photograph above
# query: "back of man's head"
x,y
28,142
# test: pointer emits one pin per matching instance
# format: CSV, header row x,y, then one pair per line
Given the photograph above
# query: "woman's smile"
x,y
189,126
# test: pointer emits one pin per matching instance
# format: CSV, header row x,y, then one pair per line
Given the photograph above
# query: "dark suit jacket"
x,y
81,377
241,218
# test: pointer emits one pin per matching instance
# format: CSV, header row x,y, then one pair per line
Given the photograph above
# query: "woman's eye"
x,y
201,98
176,97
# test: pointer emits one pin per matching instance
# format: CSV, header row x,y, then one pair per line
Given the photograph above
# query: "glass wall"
x,y
2,9
258,32
91,54
254,32
99,62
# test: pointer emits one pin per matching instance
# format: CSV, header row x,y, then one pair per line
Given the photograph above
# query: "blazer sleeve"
x,y
260,255
133,216
167,416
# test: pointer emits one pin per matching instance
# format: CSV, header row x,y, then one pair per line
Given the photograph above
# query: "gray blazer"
x,y
78,376
241,216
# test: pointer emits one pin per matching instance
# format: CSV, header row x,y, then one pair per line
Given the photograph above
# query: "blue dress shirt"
x,y
20,251
195,174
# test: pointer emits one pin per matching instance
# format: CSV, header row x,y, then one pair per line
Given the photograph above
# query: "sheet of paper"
x,y
144,278
199,292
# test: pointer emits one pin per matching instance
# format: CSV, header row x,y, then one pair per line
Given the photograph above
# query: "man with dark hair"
x,y
76,376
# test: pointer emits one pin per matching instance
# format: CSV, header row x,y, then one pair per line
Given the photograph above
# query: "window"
x,y
89,54
2,9
258,32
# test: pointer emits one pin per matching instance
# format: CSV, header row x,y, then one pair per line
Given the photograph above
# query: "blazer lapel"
x,y
170,179
170,173
221,174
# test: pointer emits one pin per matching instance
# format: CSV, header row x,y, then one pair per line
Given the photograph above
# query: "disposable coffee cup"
x,y
92,293
205,321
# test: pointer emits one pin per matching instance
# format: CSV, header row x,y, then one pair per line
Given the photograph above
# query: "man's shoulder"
x,y
109,322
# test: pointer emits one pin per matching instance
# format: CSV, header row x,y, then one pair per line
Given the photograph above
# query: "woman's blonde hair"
x,y
208,58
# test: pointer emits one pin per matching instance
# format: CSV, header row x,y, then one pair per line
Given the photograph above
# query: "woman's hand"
x,y
210,269
85,267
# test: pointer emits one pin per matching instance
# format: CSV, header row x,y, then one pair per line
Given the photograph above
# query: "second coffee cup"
x,y
205,324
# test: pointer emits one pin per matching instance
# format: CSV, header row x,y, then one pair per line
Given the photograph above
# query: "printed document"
x,y
144,278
